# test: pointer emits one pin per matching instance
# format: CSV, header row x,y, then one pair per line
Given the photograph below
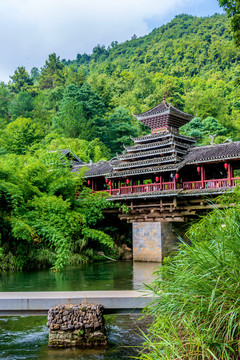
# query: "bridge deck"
x,y
38,303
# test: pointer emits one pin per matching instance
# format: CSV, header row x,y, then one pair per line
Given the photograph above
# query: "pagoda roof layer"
x,y
160,151
152,161
154,145
163,108
162,135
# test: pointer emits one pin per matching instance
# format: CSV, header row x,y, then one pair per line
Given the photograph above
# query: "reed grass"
x,y
197,293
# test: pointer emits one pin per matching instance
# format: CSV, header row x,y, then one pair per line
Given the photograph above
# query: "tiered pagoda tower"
x,y
154,158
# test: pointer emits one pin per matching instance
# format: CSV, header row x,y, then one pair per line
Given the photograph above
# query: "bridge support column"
x,y
152,241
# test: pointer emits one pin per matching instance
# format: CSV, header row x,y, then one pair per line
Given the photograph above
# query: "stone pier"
x,y
76,326
152,241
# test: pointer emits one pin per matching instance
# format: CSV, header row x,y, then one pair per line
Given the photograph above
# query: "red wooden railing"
x,y
216,183
235,181
166,186
190,185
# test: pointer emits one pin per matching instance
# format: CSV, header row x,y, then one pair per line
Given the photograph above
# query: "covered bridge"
x,y
164,178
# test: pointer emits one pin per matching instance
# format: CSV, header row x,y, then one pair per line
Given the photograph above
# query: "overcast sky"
x,y
32,29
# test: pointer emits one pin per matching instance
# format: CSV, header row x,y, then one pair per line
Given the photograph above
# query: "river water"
x,y
26,338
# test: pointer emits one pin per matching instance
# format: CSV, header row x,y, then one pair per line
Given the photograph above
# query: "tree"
x,y
77,112
35,74
202,129
232,8
20,80
19,135
52,73
4,101
21,105
121,128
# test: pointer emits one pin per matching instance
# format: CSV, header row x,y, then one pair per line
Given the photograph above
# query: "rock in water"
x,y
87,329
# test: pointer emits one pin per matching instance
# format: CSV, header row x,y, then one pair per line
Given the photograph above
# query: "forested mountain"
x,y
87,105
193,60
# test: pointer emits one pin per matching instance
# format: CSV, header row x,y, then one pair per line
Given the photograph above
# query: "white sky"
x,y
32,29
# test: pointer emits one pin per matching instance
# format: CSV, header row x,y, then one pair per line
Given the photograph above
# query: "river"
x,y
26,338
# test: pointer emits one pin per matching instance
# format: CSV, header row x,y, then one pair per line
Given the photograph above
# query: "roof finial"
x,y
164,96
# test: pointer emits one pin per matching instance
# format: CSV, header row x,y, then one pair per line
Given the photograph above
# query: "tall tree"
x,y
78,109
21,105
52,73
232,8
20,80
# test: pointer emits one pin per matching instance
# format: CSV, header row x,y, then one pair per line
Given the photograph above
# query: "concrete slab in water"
x,y
38,303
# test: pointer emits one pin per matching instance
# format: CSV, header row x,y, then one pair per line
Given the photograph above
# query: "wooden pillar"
x,y
161,182
174,182
131,185
119,186
92,185
110,187
202,177
229,174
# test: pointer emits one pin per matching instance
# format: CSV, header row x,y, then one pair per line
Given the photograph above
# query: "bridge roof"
x,y
204,154
102,168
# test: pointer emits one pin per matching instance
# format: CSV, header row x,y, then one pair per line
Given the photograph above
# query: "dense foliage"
x,y
41,220
197,309
232,8
87,105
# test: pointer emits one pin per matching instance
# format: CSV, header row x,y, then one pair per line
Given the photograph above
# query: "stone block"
x,y
76,326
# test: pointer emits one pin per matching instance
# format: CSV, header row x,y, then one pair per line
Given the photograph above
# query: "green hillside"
x,y
193,60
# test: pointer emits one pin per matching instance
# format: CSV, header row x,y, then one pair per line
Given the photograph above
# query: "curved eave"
x,y
149,162
162,109
159,152
153,145
162,135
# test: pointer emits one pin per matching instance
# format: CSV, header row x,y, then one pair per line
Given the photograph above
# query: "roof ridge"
x,y
214,145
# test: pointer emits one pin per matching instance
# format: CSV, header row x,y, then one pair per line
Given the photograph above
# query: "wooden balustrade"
x,y
216,183
167,186
235,181
191,185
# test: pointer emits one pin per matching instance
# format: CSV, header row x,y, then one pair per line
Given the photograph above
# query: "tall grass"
x,y
197,307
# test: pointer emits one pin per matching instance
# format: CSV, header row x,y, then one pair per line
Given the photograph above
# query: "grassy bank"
x,y
197,307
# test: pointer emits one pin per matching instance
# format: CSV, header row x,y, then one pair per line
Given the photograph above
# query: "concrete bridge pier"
x,y
152,241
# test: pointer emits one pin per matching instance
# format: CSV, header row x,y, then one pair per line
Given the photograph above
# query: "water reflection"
x,y
90,276
143,273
